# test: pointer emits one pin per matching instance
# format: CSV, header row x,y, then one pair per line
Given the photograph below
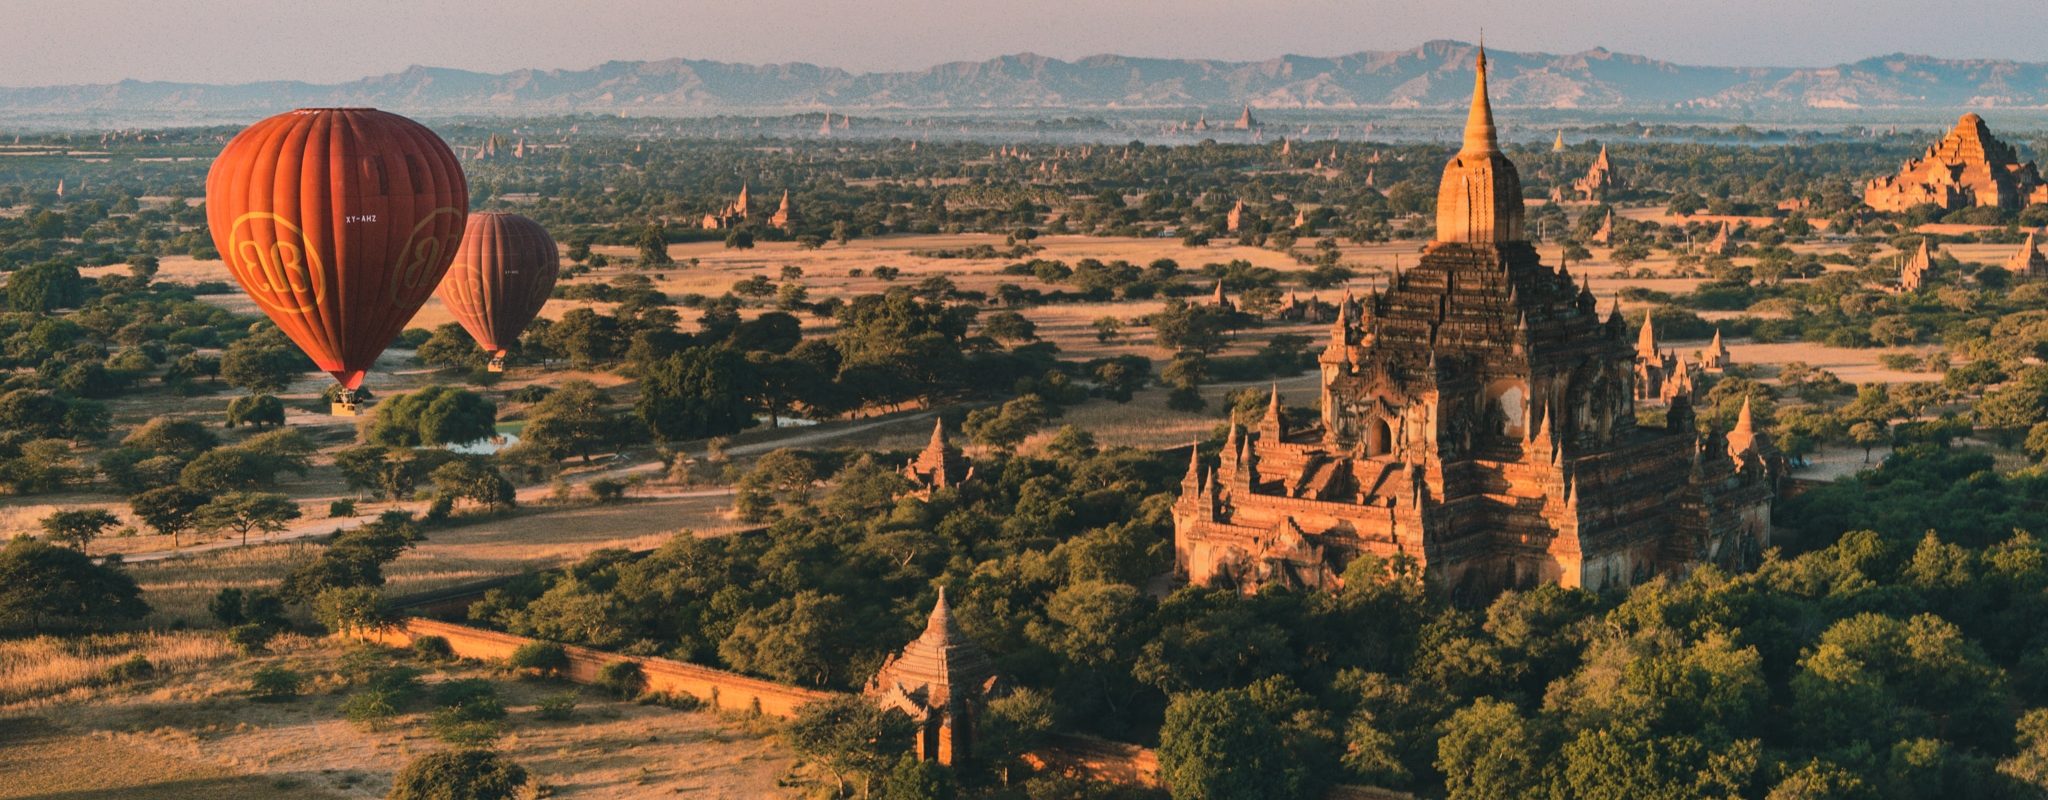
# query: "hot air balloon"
x,y
502,275
339,223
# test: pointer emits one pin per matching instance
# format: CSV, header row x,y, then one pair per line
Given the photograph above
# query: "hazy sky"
x,y
93,41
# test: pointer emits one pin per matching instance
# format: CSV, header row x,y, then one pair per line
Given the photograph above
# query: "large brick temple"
x,y
1478,418
1968,167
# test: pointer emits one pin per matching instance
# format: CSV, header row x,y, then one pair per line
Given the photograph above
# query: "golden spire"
x,y
1479,134
1480,198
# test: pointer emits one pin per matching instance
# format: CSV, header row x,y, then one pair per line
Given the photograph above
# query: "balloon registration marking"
x,y
278,275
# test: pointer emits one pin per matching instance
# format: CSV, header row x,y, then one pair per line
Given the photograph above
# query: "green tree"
x,y
257,410
243,512
2029,763
452,347
348,609
1007,426
1107,329
1221,744
435,415
653,246
1012,725
693,394
261,364
851,736
1489,752
43,586
1009,326
42,288
916,779
173,437
355,558
475,480
576,419
169,509
802,639
78,527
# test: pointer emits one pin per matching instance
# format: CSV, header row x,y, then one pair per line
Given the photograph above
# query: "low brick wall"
x,y
1080,756
715,687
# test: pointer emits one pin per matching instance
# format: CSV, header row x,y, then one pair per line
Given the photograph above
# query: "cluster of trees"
x,y
1890,661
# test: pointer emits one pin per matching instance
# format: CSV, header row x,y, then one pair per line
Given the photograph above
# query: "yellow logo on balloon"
x,y
274,264
417,262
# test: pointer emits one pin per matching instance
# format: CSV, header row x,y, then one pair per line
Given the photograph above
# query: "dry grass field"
x,y
191,730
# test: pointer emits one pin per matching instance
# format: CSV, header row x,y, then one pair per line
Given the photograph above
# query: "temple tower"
x,y
942,680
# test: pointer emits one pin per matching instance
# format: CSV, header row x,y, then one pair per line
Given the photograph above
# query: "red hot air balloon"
x,y
339,223
502,275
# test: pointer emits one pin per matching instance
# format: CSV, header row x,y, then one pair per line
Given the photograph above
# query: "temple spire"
x,y
1479,200
1646,342
1271,424
1742,439
940,624
1479,133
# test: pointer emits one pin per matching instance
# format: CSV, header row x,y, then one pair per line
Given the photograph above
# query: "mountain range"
x,y
1437,74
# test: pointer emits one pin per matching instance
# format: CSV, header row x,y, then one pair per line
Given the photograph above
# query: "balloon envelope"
x,y
339,223
502,275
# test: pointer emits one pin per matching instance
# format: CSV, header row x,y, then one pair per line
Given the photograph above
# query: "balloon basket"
x,y
344,409
495,365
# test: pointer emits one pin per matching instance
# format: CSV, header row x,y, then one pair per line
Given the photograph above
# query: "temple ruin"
x,y
1968,167
1478,420
942,681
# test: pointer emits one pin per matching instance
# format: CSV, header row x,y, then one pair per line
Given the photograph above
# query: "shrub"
x,y
272,683
680,701
469,774
465,691
622,678
471,713
608,490
449,726
341,509
545,659
557,707
133,668
432,648
370,707
252,638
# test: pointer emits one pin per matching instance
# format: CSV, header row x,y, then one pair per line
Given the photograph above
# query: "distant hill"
x,y
1436,74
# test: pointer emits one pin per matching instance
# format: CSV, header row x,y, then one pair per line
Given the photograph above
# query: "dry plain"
x,y
191,733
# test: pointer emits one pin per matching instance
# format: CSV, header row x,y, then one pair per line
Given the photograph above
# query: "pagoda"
x,y
781,217
732,215
1599,180
1245,121
1968,167
1724,240
1716,358
1477,419
1913,274
1661,377
939,466
2027,261
942,681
